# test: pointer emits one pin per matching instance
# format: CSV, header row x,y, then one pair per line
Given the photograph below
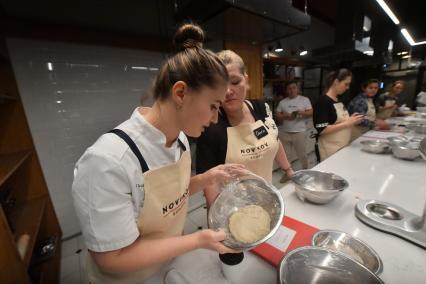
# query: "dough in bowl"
x,y
249,224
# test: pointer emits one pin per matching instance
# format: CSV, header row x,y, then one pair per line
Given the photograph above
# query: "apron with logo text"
x,y
163,213
330,143
254,145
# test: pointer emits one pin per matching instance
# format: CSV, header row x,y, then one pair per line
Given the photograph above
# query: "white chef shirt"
x,y
289,105
108,183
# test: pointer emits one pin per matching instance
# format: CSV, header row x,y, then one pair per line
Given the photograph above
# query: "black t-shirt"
x,y
324,113
212,144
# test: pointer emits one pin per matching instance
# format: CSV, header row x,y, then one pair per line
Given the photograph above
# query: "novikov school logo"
x,y
174,206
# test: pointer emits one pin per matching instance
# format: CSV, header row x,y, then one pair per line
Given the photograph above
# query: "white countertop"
x,y
370,176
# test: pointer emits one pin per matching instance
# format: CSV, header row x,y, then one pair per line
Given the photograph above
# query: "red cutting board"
x,y
303,236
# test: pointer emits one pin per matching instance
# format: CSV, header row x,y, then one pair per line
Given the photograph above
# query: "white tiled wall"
x,y
72,94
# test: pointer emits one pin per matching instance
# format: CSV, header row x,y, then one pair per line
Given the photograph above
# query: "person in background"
x,y
292,112
131,187
331,119
363,104
388,102
245,134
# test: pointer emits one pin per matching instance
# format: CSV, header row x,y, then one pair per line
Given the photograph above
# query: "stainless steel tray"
x,y
393,219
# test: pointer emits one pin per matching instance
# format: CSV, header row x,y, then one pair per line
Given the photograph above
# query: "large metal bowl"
x,y
422,148
246,190
375,146
406,150
320,265
350,246
318,187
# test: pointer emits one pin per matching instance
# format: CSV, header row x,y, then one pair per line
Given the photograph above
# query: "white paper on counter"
x,y
282,238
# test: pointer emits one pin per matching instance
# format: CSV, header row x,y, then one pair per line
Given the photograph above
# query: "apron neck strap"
x,y
123,135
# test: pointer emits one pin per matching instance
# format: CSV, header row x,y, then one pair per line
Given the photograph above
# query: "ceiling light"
x,y
139,68
303,53
406,56
49,66
420,43
279,47
369,52
407,36
388,11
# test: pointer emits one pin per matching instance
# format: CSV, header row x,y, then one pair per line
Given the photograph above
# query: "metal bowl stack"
x,y
321,265
245,191
405,148
350,246
318,187
375,146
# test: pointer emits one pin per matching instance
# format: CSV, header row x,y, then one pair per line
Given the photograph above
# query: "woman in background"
x,y
245,134
387,103
363,104
331,119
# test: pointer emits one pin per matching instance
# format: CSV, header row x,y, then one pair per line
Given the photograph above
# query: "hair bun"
x,y
188,36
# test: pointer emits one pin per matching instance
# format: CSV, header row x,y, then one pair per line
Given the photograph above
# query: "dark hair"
x,y
290,83
368,82
339,75
192,64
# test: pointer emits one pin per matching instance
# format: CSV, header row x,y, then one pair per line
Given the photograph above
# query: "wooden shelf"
x,y
4,97
27,219
9,163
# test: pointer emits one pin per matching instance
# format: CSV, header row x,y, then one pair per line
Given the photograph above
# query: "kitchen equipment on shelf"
x,y
375,146
350,246
244,191
393,219
322,265
318,187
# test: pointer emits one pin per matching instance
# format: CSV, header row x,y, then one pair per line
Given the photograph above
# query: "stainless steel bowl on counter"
x,y
350,246
406,150
318,187
418,128
321,265
375,146
242,192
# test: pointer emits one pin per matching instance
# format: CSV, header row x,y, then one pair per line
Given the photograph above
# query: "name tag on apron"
x,y
260,132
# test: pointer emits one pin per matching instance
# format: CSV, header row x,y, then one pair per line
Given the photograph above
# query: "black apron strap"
x,y
123,135
181,145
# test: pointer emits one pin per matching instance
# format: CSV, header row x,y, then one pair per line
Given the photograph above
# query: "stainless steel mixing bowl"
x,y
406,150
320,265
375,146
318,187
246,190
351,246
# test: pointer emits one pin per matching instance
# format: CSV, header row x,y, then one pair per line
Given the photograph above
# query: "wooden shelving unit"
x,y
9,163
27,209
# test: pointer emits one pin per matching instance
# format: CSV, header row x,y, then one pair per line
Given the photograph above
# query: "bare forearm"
x,y
211,192
144,253
307,113
281,157
198,182
333,128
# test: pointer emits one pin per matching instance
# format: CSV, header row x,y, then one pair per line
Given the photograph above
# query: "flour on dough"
x,y
249,224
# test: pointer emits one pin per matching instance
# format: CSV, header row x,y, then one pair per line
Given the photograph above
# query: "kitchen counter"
x,y
370,176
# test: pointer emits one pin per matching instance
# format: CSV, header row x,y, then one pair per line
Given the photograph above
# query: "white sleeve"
x,y
308,104
280,107
102,199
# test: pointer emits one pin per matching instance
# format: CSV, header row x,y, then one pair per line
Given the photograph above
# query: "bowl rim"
x,y
271,232
290,253
373,252
320,190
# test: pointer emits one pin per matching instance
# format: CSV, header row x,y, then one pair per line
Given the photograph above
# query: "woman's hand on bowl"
x,y
212,240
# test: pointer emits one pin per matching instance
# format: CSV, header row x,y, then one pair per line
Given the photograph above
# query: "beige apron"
x,y
163,215
386,113
358,130
256,154
330,143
